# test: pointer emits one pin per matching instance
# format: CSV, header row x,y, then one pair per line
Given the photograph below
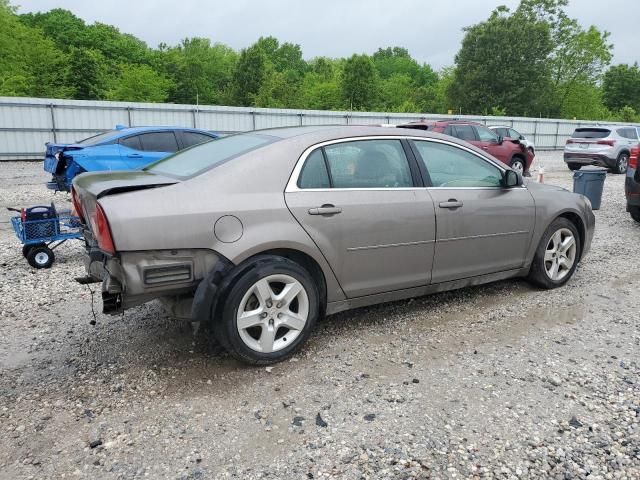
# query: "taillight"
x,y
77,206
611,143
570,141
633,157
102,231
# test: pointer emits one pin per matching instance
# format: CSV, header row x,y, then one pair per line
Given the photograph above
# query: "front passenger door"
x,y
481,226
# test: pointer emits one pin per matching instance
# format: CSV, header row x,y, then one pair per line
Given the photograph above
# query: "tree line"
x,y
532,61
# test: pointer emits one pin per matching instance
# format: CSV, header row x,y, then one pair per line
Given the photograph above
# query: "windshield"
x,y
203,157
101,137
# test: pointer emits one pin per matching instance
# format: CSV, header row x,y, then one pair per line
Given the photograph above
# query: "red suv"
x,y
509,151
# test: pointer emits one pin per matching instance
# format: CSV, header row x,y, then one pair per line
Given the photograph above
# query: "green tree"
x,y
30,64
502,61
359,84
85,75
140,83
579,55
249,75
621,87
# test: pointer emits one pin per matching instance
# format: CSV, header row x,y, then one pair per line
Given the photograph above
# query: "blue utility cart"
x,y
41,229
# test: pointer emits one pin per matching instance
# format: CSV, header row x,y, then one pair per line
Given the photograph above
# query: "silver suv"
x,y
603,146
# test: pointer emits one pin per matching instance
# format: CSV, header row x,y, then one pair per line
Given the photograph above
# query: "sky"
x,y
430,30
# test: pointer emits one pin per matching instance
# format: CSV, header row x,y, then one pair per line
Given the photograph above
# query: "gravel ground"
x,y
501,381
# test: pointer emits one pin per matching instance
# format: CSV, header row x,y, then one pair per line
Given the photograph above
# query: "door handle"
x,y
326,209
485,148
134,155
451,203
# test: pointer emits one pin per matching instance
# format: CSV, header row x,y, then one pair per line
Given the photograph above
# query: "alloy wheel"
x,y
560,254
272,313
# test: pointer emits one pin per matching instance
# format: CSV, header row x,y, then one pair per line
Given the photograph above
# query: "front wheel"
x,y
518,165
635,213
621,164
40,257
557,255
27,248
269,312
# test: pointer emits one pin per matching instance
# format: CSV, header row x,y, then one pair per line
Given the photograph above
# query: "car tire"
x,y
40,257
275,326
27,248
574,166
621,164
635,213
518,164
552,251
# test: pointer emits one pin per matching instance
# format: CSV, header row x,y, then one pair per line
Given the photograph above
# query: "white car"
x,y
510,132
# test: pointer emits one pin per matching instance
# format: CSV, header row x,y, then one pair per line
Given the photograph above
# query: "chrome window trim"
x,y
292,184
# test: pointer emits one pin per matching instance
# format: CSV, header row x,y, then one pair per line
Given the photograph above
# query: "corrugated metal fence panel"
x,y
27,123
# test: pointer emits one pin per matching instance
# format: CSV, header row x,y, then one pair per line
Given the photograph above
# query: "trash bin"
x,y
590,182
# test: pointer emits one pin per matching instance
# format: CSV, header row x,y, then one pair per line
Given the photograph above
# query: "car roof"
x,y
151,128
433,123
330,132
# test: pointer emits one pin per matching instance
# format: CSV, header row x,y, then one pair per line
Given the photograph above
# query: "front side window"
x,y
450,166
368,164
486,135
199,159
159,142
514,134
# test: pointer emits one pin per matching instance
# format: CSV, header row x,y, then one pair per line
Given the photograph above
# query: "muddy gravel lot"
x,y
500,381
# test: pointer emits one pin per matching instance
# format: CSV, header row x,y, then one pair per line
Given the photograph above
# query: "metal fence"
x,y
26,124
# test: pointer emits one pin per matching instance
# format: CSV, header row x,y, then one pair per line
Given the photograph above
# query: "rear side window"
x,y
194,138
159,142
314,173
131,142
591,133
453,167
358,164
465,132
204,157
629,133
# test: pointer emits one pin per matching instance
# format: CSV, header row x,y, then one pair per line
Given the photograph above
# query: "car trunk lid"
x,y
90,187
54,153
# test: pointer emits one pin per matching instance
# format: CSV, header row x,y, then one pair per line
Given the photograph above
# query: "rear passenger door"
x,y
363,204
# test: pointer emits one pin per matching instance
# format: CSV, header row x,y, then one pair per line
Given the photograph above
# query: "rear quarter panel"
x,y
183,216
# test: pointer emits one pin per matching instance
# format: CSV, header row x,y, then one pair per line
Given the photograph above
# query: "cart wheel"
x,y
27,248
40,257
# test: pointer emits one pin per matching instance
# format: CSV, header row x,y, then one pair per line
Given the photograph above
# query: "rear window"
x,y
201,158
101,137
591,133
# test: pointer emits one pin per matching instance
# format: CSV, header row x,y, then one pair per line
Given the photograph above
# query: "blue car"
x,y
124,148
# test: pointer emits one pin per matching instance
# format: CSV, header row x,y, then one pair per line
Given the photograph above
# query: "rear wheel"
x,y
621,164
269,312
518,165
40,257
635,213
27,248
557,255
574,166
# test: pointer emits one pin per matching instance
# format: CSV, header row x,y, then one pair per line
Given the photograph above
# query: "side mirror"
x,y
511,179
521,137
516,141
